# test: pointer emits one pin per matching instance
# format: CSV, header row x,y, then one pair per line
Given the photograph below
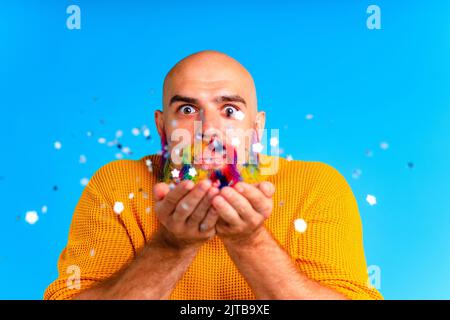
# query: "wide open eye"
x,y
187,109
230,111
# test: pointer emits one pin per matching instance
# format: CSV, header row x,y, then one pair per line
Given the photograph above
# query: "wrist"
x,y
258,237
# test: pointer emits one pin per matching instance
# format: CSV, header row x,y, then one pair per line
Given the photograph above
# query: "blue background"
x,y
362,86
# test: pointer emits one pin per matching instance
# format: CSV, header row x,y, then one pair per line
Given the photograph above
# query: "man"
x,y
295,235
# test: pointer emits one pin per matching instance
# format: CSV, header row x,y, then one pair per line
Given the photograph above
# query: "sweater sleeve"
x,y
331,249
98,244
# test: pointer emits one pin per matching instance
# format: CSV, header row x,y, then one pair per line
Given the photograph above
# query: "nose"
x,y
211,121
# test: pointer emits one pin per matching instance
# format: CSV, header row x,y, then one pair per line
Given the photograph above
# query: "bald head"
x,y
208,70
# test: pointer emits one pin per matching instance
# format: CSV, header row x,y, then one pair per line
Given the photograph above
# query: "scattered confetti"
x,y
192,172
239,115
118,207
126,150
171,186
146,133
84,181
175,173
235,141
174,123
31,217
356,174
300,225
184,206
274,141
119,155
257,147
44,209
131,195
83,159
371,200
57,145
384,145
309,116
135,132
289,157
101,140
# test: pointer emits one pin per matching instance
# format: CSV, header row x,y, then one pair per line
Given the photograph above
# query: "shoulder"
x,y
126,172
307,175
311,186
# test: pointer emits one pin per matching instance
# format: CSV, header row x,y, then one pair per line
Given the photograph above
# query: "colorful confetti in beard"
x,y
228,173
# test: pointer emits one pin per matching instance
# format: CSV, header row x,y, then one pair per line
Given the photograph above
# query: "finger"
x,y
226,211
170,201
267,188
187,205
256,197
202,209
239,203
160,190
210,220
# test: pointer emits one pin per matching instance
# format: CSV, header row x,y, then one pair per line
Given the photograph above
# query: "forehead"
x,y
206,83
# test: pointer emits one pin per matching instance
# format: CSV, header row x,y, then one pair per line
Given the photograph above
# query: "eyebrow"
x,y
228,98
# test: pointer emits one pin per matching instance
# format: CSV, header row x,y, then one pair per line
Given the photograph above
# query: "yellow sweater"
x,y
329,251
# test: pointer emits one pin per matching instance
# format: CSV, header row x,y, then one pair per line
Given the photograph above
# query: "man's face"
x,y
215,97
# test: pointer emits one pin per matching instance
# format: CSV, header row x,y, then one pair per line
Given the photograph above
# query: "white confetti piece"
x,y
83,159
84,182
146,132
31,217
44,209
92,252
309,116
185,206
101,140
131,195
257,147
148,162
148,210
119,134
192,172
57,145
239,115
174,123
384,145
300,225
171,186
235,141
126,150
274,141
289,157
371,200
119,155
135,132
118,207
175,173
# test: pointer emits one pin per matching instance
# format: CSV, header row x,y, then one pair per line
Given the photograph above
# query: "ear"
x,y
260,123
159,122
